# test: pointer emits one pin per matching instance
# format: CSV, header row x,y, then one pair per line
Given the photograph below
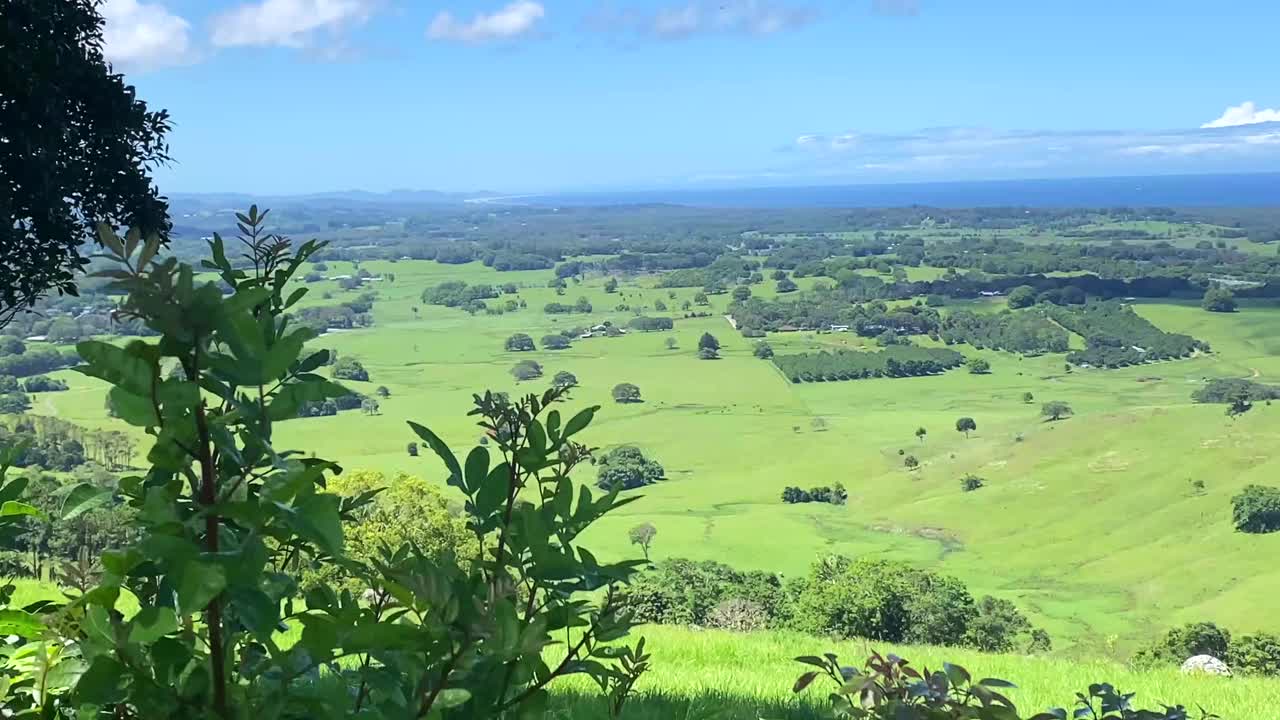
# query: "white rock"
x,y
1206,664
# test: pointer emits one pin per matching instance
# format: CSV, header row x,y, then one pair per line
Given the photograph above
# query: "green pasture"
x,y
1090,524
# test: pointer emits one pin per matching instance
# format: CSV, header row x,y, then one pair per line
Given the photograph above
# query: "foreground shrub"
x,y
888,688
1255,655
225,520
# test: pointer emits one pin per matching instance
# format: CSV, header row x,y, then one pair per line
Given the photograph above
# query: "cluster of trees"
x,y
345,316
826,307
50,443
582,305
1027,333
836,495
456,293
1218,299
1256,509
42,383
896,361
626,468
645,323
1116,336
1257,654
717,275
882,600
519,342
332,406
349,368
20,360
1229,390
708,347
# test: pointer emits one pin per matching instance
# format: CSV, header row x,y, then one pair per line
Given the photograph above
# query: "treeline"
x,y
825,307
883,600
836,495
1025,332
723,271
350,314
894,362
1228,390
53,444
456,293
19,360
1116,336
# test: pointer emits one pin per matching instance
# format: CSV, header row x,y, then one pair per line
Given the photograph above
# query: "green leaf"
x,y
452,697
129,367
201,582
381,636
151,624
956,674
442,450
286,402
477,469
13,508
83,498
804,680
101,683
578,422
20,623
318,515
996,682
135,409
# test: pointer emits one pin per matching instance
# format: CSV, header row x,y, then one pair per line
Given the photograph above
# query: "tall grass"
x,y
704,674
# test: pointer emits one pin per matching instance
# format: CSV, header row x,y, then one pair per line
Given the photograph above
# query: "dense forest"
x,y
894,362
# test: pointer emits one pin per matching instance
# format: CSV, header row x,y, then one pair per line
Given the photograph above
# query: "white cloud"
x,y
144,36
511,21
698,17
1246,113
287,23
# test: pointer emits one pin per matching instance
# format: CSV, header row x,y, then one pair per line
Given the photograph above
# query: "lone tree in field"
x,y
77,148
786,285
763,350
700,298
627,468
920,433
383,391
1056,410
1256,509
412,449
978,366
611,285
671,343
555,342
1028,397
626,393
966,425
520,342
910,462
971,482
526,370
708,347
1219,299
348,368
564,379
369,406
643,535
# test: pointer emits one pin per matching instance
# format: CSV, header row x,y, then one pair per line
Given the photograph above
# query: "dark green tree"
x,y
1055,410
966,425
626,393
520,342
77,148
1219,299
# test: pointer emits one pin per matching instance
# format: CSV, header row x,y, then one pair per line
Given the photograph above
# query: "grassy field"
x,y
706,675
1090,524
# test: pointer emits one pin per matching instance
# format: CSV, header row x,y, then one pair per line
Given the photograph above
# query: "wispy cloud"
x,y
517,19
139,36
979,151
1245,113
700,17
287,23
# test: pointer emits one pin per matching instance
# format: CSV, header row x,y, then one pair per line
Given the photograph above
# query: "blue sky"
x,y
292,96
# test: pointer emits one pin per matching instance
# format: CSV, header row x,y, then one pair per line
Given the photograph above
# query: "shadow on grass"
x,y
657,705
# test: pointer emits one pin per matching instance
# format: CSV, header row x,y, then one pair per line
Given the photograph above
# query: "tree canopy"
x,y
77,148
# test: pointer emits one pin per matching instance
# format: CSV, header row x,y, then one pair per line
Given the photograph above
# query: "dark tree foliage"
x,y
1180,643
348,368
836,495
1116,336
555,342
763,350
519,342
455,293
1256,509
626,468
44,383
685,592
526,370
626,393
893,362
1227,390
650,324
1219,299
1056,410
1021,332
76,148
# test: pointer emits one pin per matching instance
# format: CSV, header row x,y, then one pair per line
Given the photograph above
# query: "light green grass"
x,y
1089,524
713,674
